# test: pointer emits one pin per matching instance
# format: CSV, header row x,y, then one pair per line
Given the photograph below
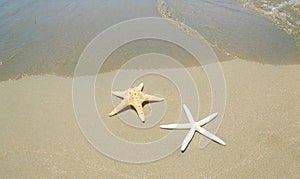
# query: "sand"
x,y
41,138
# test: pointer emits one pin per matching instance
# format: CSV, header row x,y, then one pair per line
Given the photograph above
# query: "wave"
x,y
285,15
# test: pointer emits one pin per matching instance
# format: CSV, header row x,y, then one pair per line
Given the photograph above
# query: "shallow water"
x,y
234,30
47,37
39,37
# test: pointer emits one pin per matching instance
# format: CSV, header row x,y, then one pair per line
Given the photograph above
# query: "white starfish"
x,y
134,97
194,126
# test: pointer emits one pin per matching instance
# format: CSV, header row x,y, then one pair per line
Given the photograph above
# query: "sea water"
x,y
47,37
233,29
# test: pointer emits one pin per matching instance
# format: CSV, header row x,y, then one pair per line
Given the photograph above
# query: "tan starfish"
x,y
135,98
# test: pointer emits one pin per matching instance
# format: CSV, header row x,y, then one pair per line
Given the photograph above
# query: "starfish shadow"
x,y
131,107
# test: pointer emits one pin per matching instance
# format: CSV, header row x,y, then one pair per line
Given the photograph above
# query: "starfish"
x,y
134,97
194,126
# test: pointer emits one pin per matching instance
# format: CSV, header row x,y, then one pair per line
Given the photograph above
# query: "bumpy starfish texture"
x,y
194,126
134,97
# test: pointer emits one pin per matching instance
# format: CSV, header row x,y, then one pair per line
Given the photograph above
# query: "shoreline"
x,y
106,71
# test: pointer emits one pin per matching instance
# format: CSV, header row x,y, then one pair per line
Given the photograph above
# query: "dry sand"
x,y
40,136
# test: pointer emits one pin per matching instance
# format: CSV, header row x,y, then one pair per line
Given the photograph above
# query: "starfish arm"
x,y
210,135
121,94
120,106
140,112
188,114
141,86
207,119
176,126
152,98
187,139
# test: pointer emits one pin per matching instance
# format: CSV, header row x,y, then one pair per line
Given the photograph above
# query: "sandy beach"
x,y
42,42
41,138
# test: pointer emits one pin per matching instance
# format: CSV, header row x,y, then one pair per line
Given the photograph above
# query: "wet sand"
x,y
40,136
